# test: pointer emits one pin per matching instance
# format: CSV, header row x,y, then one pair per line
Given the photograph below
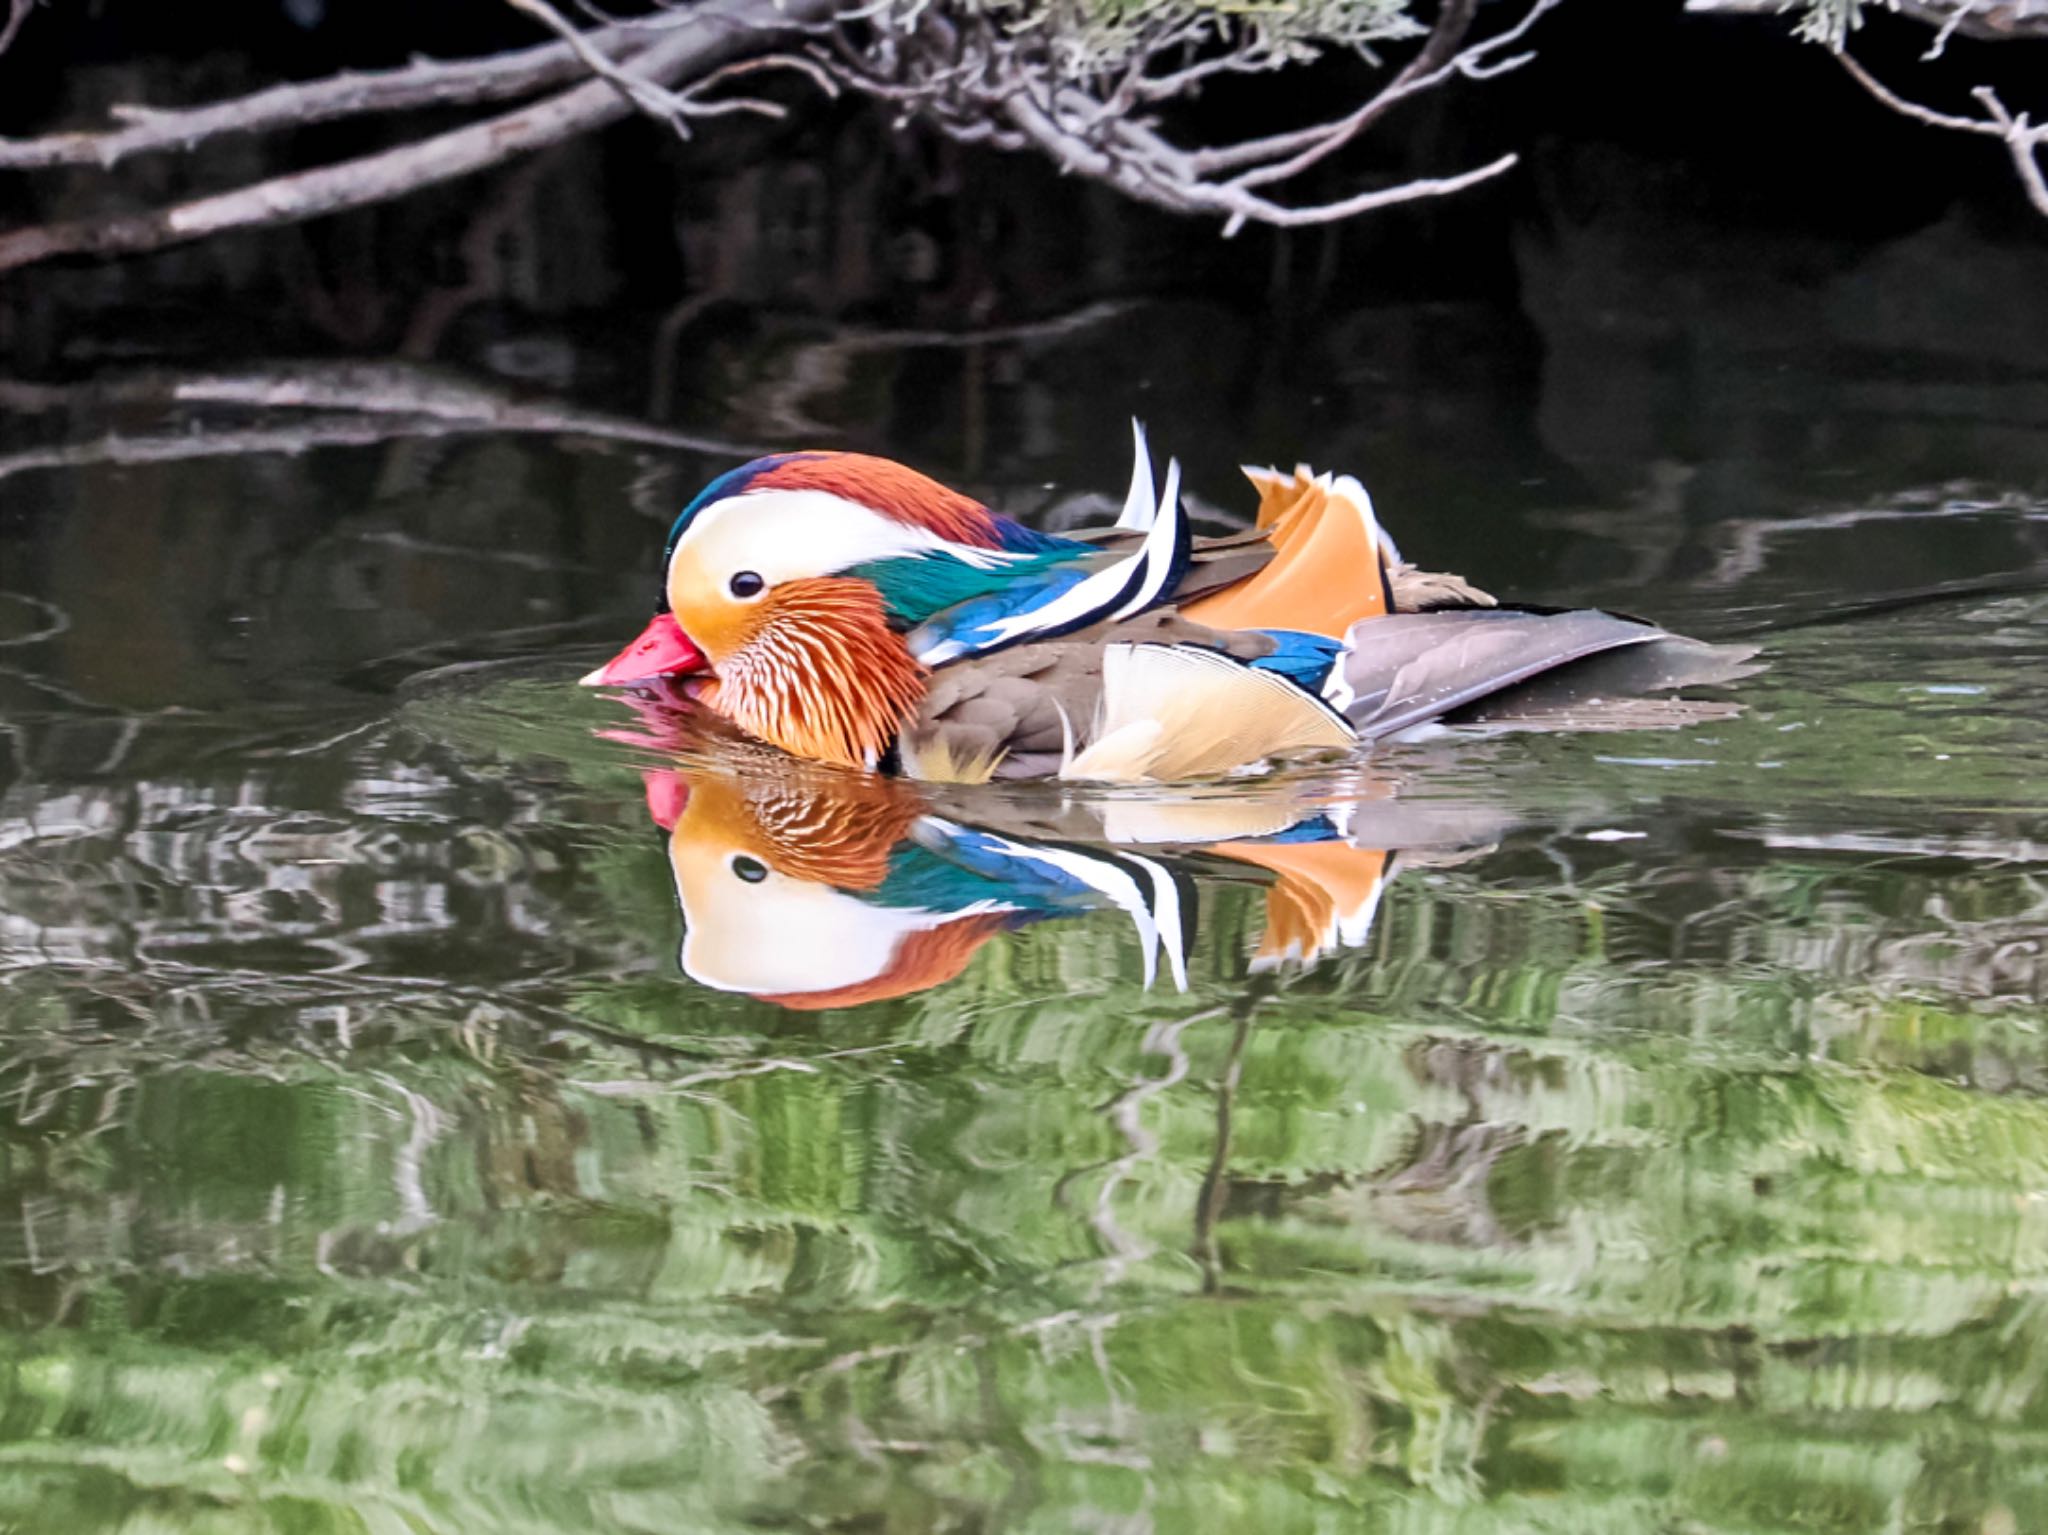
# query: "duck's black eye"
x,y
745,584
752,870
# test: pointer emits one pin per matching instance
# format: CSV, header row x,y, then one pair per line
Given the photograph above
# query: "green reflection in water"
x,y
1669,1157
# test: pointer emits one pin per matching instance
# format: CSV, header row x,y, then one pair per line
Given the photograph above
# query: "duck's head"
x,y
789,584
808,894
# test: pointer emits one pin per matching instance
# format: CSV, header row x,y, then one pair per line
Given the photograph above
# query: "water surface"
x,y
1667,1151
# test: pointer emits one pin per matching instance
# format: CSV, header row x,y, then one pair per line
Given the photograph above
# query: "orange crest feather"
x,y
892,488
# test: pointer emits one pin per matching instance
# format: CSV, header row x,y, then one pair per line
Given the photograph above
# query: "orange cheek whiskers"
x,y
822,675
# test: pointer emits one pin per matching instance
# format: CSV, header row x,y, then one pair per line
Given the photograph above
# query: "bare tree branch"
x,y
981,74
979,81
637,93
1149,179
1912,109
2023,139
1438,61
1453,21
718,31
17,13
1986,20
423,83
666,106
1994,20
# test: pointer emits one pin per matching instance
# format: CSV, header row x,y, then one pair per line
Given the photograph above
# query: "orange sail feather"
x,y
1329,566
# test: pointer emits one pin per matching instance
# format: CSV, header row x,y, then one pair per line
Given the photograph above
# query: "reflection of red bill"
x,y
668,793
662,650
663,710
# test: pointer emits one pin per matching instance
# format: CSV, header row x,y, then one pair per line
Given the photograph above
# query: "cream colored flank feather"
x,y
938,760
1172,711
1224,817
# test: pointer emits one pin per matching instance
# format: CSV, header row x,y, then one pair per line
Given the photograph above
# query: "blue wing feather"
x,y
1303,659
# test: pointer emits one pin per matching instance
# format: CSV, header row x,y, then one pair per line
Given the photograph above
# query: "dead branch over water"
x,y
1018,88
1988,20
422,83
978,76
678,59
1100,104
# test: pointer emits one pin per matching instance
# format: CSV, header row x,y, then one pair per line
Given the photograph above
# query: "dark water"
x,y
1667,1152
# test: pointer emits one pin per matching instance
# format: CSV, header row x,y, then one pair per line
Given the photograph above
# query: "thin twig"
x,y
1912,109
422,83
1454,20
978,81
2022,138
17,13
635,92
1940,44
1986,20
2023,141
1472,62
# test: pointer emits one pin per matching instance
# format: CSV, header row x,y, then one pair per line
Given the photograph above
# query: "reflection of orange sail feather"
x,y
1324,898
1327,569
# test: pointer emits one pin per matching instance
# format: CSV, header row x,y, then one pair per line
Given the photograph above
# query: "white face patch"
x,y
779,936
789,535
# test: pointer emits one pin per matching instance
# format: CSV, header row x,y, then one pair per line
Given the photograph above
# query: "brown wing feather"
x,y
1216,563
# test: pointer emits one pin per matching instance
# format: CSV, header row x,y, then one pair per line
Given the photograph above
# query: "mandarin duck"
x,y
851,610
832,890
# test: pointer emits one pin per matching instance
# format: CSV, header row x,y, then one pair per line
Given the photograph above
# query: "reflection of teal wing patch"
x,y
1024,873
924,878
1046,878
1312,829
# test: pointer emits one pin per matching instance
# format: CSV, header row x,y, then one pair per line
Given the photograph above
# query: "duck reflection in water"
x,y
826,889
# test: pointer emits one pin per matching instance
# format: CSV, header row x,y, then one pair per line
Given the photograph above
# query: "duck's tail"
x,y
1331,563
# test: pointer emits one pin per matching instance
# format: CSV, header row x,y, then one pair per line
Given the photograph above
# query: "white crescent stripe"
x,y
1129,586
1139,511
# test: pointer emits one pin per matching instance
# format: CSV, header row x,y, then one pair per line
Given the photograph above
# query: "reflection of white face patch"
x,y
781,936
788,535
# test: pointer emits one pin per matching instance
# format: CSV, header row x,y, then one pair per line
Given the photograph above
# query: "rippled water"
x,y
1666,1152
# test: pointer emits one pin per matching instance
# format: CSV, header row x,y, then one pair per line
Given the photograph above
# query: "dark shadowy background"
x,y
1693,189
1724,285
